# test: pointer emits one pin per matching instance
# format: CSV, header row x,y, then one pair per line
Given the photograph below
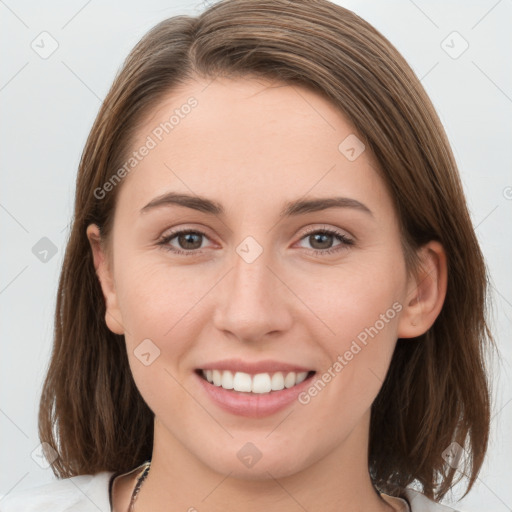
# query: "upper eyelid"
x,y
172,232
203,230
329,229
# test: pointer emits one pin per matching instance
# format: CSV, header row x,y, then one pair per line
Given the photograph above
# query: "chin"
x,y
258,460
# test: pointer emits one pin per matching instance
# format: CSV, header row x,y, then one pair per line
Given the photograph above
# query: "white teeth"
x,y
259,383
277,381
289,380
301,377
242,382
227,380
217,377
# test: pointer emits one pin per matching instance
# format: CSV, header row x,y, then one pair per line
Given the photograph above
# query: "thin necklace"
x,y
147,465
138,485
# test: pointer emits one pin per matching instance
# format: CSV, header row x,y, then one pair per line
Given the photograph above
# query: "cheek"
x,y
353,297
163,313
361,311
156,303
156,298
368,312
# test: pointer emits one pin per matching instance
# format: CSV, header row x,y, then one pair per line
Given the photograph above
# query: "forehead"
x,y
249,139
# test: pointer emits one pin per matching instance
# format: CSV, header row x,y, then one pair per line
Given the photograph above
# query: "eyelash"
x,y
345,241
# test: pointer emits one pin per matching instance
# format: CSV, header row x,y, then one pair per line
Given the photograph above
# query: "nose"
x,y
254,300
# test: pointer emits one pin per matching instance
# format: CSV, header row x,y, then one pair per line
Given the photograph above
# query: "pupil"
x,y
187,239
316,237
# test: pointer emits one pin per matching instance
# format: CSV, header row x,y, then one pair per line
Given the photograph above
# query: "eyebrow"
x,y
292,208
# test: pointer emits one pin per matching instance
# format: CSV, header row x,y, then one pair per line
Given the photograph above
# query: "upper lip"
x,y
254,367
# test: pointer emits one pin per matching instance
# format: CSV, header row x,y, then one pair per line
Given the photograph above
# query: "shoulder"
x,y
81,493
420,503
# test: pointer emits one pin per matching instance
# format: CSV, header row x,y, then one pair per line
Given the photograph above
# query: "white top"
x,y
90,493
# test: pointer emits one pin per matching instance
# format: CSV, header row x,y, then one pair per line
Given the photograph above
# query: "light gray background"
x,y
48,107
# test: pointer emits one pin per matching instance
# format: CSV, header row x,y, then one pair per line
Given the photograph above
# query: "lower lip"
x,y
253,405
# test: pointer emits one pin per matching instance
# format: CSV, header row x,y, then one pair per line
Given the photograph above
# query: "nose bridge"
x,y
251,279
252,303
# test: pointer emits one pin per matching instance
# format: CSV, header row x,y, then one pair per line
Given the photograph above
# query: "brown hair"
x,y
436,391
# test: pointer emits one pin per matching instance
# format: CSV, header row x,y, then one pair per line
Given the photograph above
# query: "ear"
x,y
113,317
425,293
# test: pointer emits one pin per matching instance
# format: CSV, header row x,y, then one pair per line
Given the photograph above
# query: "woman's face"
x,y
261,281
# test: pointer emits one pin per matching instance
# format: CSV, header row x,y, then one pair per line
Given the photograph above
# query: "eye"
x,y
189,241
322,240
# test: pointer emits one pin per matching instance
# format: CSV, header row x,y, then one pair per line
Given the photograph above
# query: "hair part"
x,y
436,390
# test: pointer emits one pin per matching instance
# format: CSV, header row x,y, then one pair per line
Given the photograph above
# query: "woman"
x,y
265,303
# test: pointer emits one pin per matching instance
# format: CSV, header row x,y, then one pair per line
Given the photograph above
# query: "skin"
x,y
270,143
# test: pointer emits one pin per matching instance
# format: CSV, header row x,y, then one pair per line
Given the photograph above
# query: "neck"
x,y
339,480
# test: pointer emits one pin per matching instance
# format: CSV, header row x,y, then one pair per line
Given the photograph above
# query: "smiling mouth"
x,y
259,383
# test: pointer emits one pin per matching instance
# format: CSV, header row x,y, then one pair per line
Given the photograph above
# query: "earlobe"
x,y
113,316
426,292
